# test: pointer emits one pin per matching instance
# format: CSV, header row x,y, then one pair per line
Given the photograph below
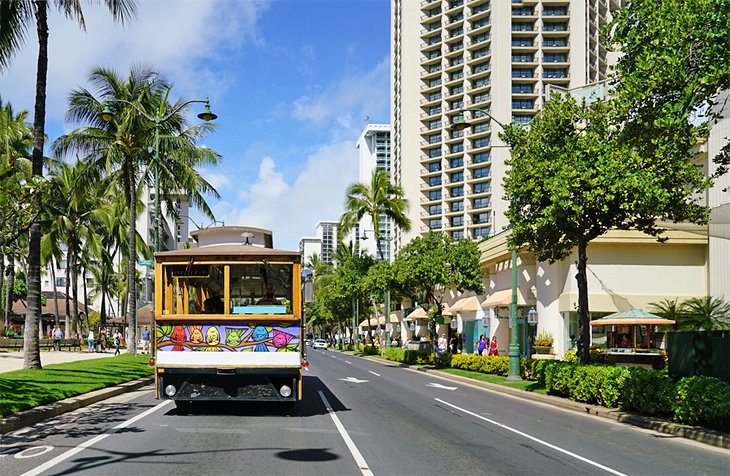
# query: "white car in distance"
x,y
319,344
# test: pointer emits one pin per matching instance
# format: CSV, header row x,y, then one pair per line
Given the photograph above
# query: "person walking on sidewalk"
x,y
146,334
90,341
57,336
117,340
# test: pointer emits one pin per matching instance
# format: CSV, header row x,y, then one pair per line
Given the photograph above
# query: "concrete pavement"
x,y
13,360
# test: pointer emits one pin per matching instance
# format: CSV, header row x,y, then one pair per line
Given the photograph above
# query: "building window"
x,y
456,75
434,224
481,172
457,221
434,167
523,58
456,32
555,27
480,203
480,218
480,38
456,61
434,153
523,11
481,98
480,68
458,162
555,58
555,42
433,181
457,177
522,73
480,53
456,46
435,124
481,232
458,235
434,96
60,282
434,195
480,23
521,26
522,104
480,82
522,42
434,82
480,128
434,110
481,157
434,210
453,148
457,207
522,89
555,73
457,191
434,139
521,118
456,17
555,11
481,187
481,142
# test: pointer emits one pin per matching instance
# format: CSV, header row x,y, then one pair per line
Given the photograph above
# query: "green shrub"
x,y
596,356
646,391
586,383
370,350
395,354
609,390
702,400
559,378
445,359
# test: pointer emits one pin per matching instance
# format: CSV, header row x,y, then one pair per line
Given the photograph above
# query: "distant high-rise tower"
x,y
498,56
374,152
327,234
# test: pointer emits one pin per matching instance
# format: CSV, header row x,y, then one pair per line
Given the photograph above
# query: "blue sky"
x,y
291,81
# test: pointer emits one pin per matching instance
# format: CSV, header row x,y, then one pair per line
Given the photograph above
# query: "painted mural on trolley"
x,y
250,337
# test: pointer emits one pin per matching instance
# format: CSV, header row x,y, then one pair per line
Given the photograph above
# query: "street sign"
x,y
145,262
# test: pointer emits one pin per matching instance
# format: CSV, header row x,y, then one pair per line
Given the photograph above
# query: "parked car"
x,y
308,342
319,344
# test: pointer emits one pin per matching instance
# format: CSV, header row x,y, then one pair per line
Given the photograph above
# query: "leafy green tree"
x,y
431,265
573,176
16,18
675,59
118,148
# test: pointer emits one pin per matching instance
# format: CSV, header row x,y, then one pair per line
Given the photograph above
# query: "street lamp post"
x,y
460,123
107,114
386,293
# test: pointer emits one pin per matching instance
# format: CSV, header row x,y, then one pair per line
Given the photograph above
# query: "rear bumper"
x,y
228,384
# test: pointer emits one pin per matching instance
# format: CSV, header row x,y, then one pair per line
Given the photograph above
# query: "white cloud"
x,y
170,36
218,180
292,208
363,93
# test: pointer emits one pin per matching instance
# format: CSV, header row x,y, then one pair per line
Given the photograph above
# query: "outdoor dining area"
x,y
635,338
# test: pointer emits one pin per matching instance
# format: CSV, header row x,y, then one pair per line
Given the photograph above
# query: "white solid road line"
x,y
536,440
62,457
374,373
348,441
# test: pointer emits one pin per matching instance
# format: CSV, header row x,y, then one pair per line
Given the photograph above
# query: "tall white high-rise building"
x,y
498,56
373,147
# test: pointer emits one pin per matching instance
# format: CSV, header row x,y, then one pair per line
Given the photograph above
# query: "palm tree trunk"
x,y
31,347
584,339
68,298
132,258
86,300
55,293
74,290
2,284
9,289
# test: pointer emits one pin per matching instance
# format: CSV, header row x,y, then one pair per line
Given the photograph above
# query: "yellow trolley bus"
x,y
228,319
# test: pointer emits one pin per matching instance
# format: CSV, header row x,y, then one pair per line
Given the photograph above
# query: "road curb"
x,y
696,433
43,412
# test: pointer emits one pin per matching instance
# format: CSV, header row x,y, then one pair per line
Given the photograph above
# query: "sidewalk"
x,y
13,360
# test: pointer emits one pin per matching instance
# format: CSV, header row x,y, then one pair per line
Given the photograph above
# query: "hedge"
x,y
697,400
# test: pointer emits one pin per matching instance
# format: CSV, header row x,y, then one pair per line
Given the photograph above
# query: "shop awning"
x,y
632,317
503,298
468,304
420,313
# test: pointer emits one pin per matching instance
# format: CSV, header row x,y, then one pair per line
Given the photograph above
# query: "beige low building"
x,y
626,269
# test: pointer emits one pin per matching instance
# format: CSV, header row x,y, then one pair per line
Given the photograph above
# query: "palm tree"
x,y
118,148
379,200
73,214
15,145
706,313
16,18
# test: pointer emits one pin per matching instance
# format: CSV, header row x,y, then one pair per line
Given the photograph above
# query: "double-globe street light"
x,y
459,123
207,115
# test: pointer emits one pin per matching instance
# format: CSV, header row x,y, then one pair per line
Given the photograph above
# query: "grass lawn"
x,y
527,385
23,389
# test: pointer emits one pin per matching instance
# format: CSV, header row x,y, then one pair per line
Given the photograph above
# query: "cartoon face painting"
x,y
233,336
212,337
281,339
196,334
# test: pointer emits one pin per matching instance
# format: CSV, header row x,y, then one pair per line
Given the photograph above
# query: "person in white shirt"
x,y
91,341
442,343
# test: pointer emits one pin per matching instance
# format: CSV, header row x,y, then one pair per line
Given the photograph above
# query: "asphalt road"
x,y
357,417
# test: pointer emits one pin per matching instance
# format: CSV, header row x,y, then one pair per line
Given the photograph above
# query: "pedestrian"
x,y
442,343
146,334
493,346
57,336
117,340
90,340
453,345
482,345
